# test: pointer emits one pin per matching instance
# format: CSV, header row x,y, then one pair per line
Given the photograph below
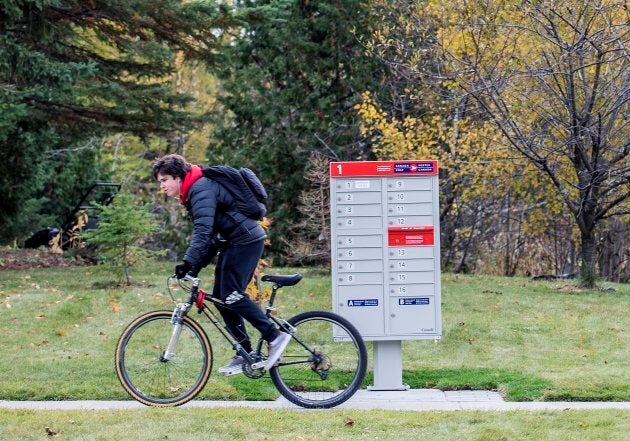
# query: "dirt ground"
x,y
19,258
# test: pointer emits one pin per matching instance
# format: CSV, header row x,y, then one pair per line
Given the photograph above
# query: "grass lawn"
x,y
530,340
250,424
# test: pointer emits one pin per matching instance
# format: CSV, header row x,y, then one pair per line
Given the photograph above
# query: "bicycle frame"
x,y
195,293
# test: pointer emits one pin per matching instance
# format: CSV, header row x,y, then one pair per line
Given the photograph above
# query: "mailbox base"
x,y
388,366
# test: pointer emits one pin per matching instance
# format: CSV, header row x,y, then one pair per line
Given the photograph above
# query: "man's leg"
x,y
237,268
233,321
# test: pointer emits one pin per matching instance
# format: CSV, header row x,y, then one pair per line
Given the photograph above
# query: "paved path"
x,y
415,399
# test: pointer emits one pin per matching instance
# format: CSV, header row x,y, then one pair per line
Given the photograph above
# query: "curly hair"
x,y
172,165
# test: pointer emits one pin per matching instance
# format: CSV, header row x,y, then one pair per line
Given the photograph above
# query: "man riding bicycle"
x,y
214,214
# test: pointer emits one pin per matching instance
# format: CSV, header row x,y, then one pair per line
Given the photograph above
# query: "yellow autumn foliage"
x,y
476,158
473,155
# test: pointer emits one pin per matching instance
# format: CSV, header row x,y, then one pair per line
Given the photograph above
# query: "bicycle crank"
x,y
251,372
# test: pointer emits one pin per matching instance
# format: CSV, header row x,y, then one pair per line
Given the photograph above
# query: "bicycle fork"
x,y
176,320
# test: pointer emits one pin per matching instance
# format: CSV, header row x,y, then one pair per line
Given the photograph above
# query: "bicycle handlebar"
x,y
193,290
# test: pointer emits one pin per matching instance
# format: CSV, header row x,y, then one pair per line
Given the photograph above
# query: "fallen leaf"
x,y
348,422
51,432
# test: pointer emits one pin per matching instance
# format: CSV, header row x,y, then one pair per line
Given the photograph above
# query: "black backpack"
x,y
244,186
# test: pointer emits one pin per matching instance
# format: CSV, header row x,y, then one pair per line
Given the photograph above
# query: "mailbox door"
x,y
363,306
412,315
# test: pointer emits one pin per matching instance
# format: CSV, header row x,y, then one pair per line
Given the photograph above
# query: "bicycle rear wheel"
x,y
144,372
315,371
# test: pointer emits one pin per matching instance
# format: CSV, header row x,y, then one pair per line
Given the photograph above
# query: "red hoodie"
x,y
190,178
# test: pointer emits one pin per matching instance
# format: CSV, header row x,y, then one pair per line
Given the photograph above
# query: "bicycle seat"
x,y
289,280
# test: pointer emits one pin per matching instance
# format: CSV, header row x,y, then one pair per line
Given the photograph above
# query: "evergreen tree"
x,y
74,70
122,228
290,84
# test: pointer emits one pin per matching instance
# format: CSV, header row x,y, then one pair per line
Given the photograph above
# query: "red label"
x,y
383,168
410,236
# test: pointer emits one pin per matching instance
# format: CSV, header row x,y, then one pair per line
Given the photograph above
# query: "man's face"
x,y
169,185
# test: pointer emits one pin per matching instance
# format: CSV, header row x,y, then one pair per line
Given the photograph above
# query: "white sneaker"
x,y
235,366
276,348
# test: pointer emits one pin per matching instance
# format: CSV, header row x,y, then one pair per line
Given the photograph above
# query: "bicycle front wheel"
x,y
150,377
315,371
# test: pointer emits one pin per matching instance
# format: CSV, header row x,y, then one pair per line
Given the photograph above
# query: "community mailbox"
x,y
386,254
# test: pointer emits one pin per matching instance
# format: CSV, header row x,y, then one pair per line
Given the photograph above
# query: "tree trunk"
x,y
461,266
126,265
508,239
612,256
587,274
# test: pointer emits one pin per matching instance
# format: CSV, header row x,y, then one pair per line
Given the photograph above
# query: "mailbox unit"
x,y
385,248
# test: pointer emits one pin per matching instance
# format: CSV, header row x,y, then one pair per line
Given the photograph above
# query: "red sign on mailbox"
x,y
410,236
384,168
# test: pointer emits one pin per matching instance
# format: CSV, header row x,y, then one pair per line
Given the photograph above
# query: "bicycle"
x,y
164,358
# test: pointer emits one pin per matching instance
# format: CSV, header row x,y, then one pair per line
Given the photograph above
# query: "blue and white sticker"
x,y
414,167
411,301
363,302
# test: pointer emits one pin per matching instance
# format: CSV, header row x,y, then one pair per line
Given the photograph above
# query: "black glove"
x,y
182,269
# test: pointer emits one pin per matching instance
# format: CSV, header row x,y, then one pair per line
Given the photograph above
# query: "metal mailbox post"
x,y
386,256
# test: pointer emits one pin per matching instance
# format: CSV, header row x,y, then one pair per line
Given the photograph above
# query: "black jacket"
x,y
212,210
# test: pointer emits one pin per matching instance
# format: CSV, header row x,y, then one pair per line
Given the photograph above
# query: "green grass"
x,y
250,424
516,386
529,340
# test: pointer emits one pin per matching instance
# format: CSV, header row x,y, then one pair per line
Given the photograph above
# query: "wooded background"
x,y
524,103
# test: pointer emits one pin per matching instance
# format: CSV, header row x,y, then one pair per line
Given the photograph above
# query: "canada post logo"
x,y
414,167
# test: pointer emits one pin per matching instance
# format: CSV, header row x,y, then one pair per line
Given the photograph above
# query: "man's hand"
x,y
182,269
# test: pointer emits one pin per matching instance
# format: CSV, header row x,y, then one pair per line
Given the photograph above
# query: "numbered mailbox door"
x,y
412,315
363,307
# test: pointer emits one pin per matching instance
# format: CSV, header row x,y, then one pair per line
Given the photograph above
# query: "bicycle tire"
x,y
150,379
333,375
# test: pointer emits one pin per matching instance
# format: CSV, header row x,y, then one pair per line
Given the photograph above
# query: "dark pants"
x,y
235,268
